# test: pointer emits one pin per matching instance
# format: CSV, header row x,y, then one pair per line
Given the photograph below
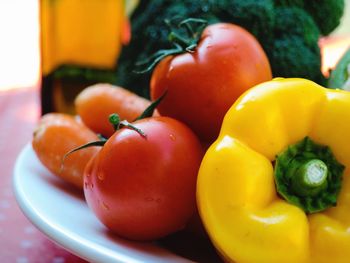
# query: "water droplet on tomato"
x,y
88,185
104,206
100,176
171,68
149,199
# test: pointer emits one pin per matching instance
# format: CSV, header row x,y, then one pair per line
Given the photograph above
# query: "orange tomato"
x,y
95,103
57,134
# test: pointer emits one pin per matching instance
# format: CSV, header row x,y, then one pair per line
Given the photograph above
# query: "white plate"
x,y
62,214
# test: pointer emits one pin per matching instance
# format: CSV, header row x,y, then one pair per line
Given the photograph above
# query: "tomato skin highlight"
x,y
144,188
201,86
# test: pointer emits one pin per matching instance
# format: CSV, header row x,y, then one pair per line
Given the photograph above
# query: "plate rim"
x,y
82,248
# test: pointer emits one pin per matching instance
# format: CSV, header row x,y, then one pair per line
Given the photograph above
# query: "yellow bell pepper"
x,y
275,185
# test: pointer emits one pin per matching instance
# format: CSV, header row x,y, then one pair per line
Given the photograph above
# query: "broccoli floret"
x,y
291,57
255,16
327,14
147,37
297,22
150,33
294,51
297,3
288,30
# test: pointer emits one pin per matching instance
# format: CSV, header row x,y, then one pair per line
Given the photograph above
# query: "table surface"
x,y
20,241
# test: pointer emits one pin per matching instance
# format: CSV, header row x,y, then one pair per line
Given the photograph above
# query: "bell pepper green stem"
x,y
308,175
310,178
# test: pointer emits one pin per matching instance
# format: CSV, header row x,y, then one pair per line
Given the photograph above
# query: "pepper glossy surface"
x,y
245,217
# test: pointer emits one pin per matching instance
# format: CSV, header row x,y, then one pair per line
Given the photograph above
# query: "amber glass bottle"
x,y
80,44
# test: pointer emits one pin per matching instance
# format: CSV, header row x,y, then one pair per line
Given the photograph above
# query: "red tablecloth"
x,y
20,241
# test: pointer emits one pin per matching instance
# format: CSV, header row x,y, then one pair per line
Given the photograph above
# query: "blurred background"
x,y
19,46
337,43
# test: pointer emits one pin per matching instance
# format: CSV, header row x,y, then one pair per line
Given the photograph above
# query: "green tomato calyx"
x,y
181,44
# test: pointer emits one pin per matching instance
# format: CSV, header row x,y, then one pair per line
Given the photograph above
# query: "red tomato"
x,y
204,84
144,188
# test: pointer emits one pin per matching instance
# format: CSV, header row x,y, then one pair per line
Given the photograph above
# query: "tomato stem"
x,y
117,123
114,119
148,112
101,142
181,44
181,41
